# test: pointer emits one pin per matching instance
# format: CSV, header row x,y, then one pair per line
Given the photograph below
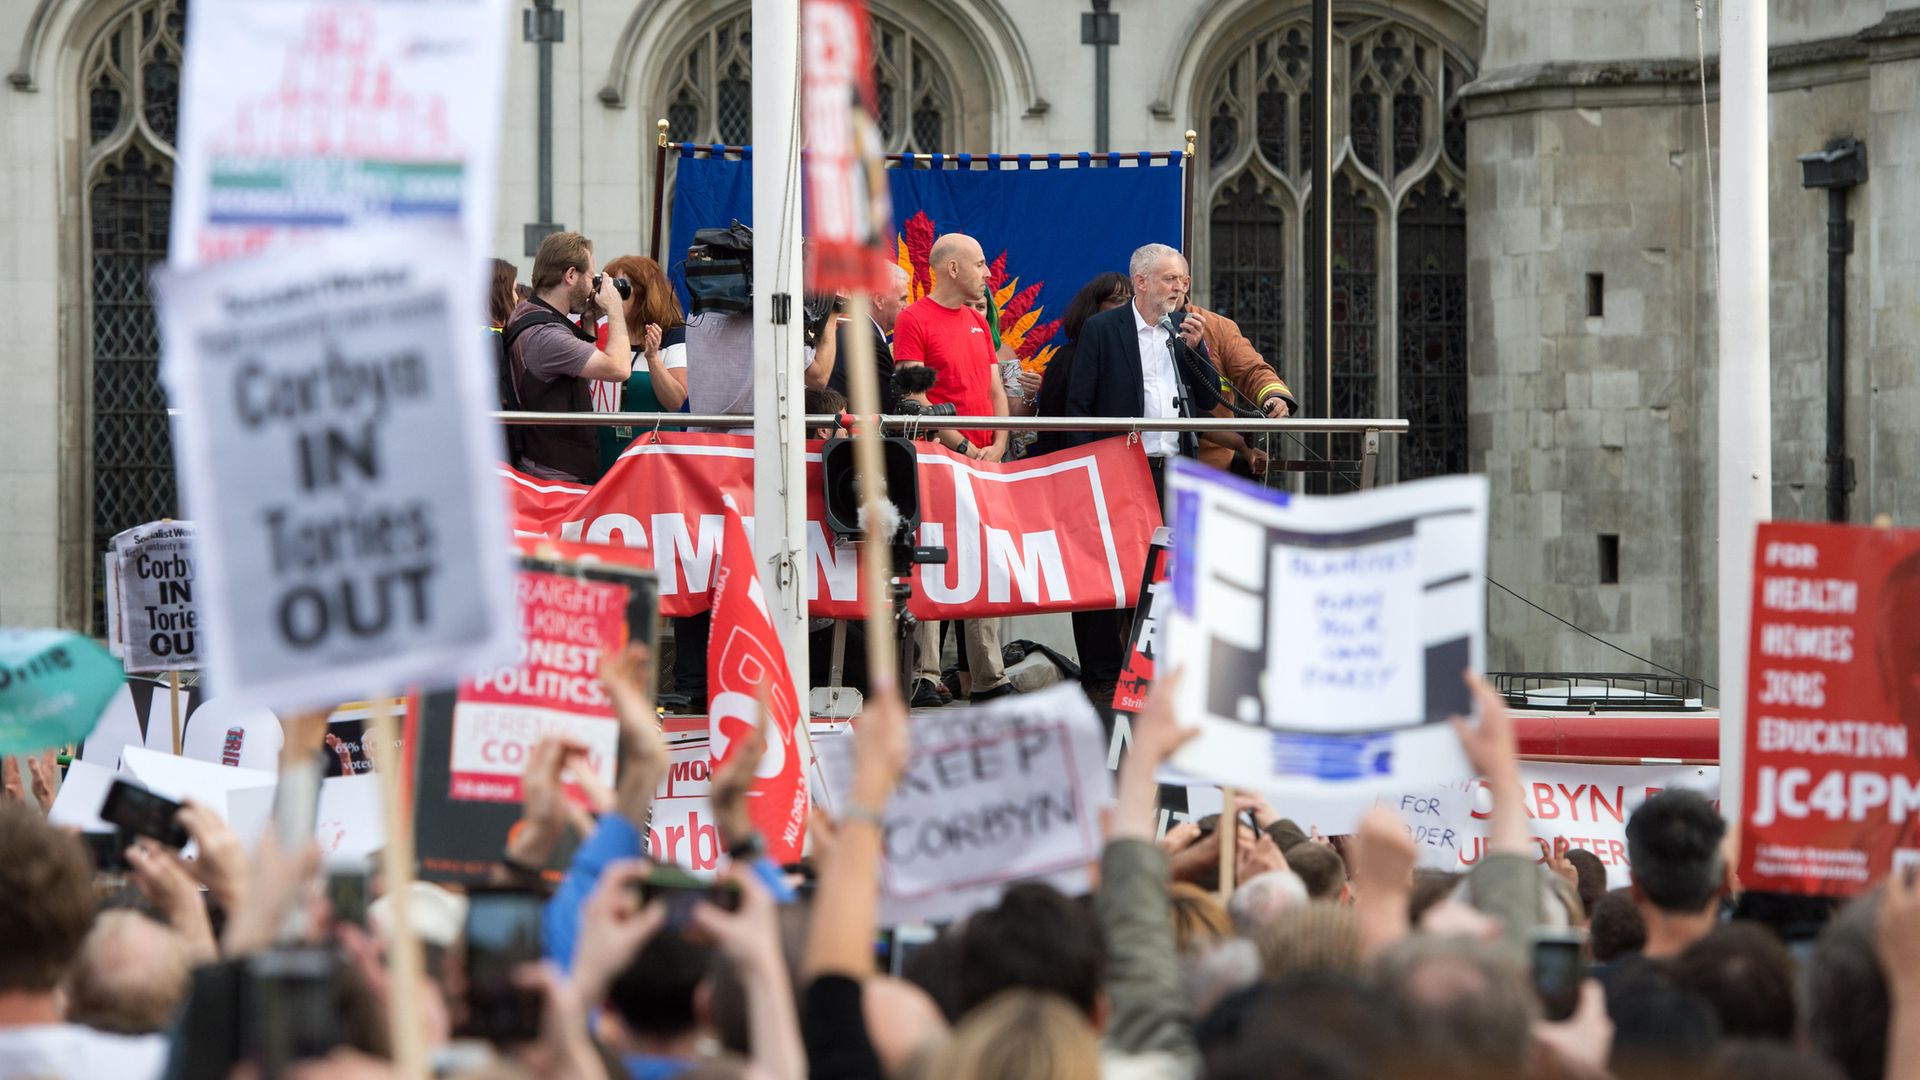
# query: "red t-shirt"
x,y
955,343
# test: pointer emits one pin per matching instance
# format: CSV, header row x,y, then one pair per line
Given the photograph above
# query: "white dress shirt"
x,y
1161,400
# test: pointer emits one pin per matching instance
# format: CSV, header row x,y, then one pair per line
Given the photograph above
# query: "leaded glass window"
x,y
1399,232
710,97
1432,281
132,89
1250,262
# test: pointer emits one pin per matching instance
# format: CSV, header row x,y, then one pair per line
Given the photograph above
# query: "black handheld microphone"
x,y
1203,380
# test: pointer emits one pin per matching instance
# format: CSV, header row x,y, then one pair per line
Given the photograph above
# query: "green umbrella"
x,y
53,686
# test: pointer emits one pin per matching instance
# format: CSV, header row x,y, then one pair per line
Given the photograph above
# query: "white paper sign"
x,y
301,116
1324,638
682,830
350,823
154,616
83,791
334,448
993,795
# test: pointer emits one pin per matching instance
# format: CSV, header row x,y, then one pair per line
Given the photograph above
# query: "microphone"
x,y
1202,379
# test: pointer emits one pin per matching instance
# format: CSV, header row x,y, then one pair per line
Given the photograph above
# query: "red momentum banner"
x,y
1064,532
1832,786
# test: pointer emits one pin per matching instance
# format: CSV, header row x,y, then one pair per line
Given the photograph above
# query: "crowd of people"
x,y
1298,955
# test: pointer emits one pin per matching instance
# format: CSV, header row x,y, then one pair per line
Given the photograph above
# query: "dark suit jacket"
x,y
1106,379
882,365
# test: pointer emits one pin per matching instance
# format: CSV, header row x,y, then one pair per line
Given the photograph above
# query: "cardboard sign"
x,y
303,116
54,684
475,742
682,830
1136,678
1324,638
154,620
1832,773
334,447
568,626
139,714
992,795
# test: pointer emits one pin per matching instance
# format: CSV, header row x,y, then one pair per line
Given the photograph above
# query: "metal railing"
x,y
1370,428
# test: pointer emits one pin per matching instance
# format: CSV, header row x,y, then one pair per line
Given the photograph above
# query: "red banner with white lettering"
x,y
566,626
745,662
848,201
1068,531
1831,780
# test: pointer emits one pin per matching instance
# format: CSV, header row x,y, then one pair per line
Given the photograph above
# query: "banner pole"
x,y
173,695
404,962
1228,841
876,554
659,182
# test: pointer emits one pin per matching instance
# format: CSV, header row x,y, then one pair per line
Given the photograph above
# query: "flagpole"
x,y
779,441
1745,408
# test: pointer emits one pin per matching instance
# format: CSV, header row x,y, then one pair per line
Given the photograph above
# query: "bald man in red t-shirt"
x,y
942,332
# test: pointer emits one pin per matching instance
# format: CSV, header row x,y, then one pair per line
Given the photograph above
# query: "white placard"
x,y
303,116
350,823
154,619
83,791
334,448
991,796
1323,639
224,731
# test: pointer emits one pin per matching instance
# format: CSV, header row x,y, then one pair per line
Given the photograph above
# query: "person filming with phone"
x,y
551,359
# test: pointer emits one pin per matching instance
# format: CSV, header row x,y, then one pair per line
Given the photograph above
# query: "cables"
x,y
1569,624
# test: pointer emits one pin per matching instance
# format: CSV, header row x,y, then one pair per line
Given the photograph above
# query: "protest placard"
x,y
1136,678
1324,638
334,448
54,684
154,621
474,743
302,116
991,796
1832,776
138,714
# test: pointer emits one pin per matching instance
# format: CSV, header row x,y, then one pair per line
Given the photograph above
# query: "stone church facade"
x,y
1504,167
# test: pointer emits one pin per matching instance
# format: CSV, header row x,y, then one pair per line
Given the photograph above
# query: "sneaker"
x,y
926,695
992,692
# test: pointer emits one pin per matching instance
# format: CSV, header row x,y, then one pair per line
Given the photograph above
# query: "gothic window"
x,y
1399,231
710,97
1249,262
132,81
1433,330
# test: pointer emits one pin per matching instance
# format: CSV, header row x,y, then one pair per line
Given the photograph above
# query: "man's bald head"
x,y
959,270
132,975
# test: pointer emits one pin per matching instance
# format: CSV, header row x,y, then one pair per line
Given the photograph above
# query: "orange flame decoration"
x,y
1020,325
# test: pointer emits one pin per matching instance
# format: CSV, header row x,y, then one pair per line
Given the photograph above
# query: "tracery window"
x,y
1399,276
131,86
711,96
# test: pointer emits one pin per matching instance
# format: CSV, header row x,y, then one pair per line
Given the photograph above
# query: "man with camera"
x,y
551,359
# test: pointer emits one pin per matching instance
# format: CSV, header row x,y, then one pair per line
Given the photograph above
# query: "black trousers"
x,y
690,657
1102,637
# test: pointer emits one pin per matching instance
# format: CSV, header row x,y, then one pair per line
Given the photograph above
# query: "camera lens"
x,y
623,287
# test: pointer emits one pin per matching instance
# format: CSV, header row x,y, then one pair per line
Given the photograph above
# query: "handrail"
x,y
1359,426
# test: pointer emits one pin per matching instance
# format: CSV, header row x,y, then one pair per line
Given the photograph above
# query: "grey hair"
x,y
897,273
1145,256
1261,898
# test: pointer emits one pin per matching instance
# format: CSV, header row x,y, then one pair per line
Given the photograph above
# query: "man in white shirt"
x,y
46,908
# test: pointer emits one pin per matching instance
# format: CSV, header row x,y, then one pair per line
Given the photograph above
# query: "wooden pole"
x,y
404,962
173,694
1229,821
876,555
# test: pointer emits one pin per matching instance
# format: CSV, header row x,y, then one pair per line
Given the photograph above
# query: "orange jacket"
x,y
1241,365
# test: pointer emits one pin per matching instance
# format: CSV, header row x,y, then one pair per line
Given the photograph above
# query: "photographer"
x,y
551,360
720,333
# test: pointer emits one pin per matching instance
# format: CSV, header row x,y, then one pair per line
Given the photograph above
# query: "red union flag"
x,y
744,661
851,217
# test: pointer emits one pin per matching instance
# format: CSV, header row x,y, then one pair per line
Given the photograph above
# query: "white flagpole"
x,y
779,447
1745,420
